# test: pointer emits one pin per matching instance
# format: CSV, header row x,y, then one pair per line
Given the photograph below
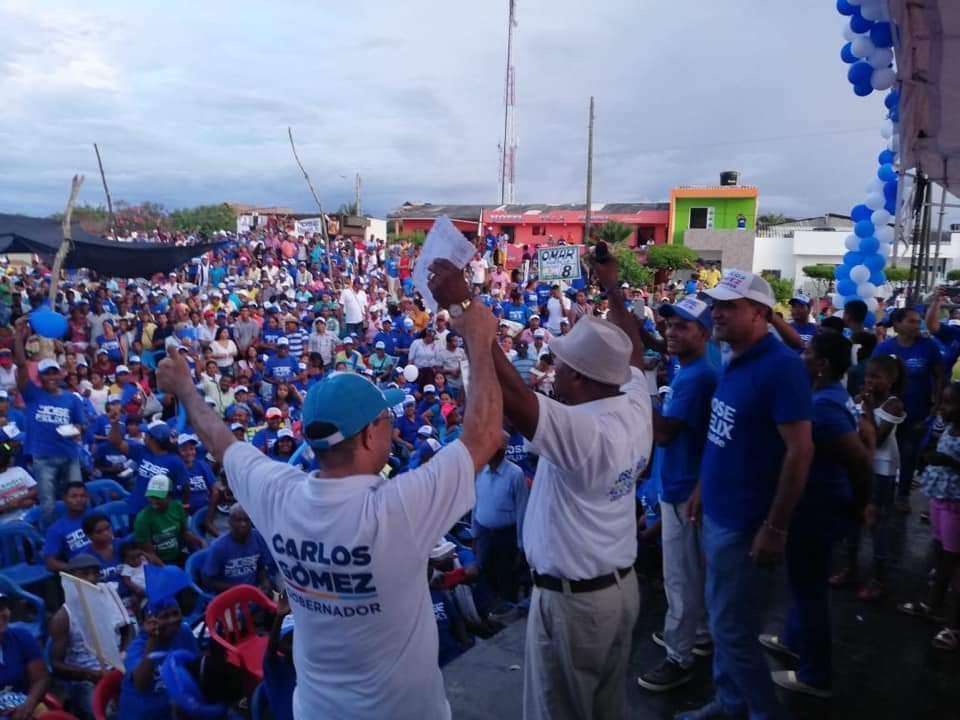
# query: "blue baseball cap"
x,y
342,405
690,308
159,431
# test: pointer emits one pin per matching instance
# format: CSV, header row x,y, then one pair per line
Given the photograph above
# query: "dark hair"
x,y
892,366
833,348
128,547
73,486
867,342
91,521
833,323
856,309
900,314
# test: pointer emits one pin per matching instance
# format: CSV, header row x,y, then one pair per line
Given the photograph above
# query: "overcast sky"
x,y
190,101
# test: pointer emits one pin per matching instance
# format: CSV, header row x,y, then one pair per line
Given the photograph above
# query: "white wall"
x,y
377,228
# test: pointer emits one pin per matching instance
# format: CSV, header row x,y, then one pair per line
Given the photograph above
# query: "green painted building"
x,y
717,208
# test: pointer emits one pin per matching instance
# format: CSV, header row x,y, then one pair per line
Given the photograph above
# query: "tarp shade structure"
x,y
22,234
928,66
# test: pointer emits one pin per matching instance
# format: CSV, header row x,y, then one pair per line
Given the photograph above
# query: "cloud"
x,y
190,102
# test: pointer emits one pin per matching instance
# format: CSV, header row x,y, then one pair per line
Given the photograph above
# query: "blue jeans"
x,y
736,594
52,475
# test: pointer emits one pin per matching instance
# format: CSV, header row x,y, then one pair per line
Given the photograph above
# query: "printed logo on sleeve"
x,y
723,420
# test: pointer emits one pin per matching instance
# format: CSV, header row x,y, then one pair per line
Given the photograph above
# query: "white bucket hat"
x,y
596,349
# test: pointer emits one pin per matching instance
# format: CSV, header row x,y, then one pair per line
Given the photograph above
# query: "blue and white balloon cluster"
x,y
869,48
870,39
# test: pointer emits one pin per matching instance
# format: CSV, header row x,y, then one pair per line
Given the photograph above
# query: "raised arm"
x,y
608,273
483,419
933,312
20,335
173,376
791,338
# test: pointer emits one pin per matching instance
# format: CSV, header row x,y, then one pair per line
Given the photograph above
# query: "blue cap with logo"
x,y
342,405
690,308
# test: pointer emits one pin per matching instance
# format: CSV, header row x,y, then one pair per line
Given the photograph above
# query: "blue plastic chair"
x,y
34,516
119,513
196,521
194,570
36,627
21,554
105,491
259,703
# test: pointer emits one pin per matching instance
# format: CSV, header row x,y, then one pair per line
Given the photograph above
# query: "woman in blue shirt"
x,y
837,491
115,345
22,669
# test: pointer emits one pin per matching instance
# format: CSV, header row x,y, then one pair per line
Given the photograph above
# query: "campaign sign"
x,y
561,262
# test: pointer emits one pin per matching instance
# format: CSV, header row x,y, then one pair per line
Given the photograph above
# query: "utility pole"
x,y
587,213
508,150
357,201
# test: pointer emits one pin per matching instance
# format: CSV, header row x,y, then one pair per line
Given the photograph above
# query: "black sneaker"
x,y
701,649
666,676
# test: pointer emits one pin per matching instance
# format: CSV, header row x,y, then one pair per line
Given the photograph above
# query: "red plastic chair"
x,y
56,715
230,622
106,691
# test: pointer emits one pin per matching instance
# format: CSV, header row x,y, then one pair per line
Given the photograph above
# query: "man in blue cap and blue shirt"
x,y
679,432
353,546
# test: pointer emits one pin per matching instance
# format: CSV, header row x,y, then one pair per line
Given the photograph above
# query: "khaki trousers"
x,y
577,650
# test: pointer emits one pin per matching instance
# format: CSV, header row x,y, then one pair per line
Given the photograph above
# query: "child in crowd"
x,y
133,577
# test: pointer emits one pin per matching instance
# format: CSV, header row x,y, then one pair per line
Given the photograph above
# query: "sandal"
x,y
947,640
872,591
918,609
843,578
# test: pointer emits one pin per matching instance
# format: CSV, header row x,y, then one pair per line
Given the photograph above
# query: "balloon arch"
x,y
870,39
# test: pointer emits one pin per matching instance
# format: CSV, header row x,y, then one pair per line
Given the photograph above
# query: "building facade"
x,y
711,208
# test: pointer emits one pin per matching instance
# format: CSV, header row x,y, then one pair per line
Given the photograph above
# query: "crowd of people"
x,y
296,417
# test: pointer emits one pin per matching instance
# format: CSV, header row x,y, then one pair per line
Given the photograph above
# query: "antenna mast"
x,y
508,149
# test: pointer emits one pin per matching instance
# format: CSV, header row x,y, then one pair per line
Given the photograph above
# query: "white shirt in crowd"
x,y
424,355
478,271
15,483
580,520
353,553
354,304
556,310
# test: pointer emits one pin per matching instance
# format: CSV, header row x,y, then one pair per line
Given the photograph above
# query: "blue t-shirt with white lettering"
x,y
200,478
833,417
237,563
949,337
148,465
806,331
762,388
284,369
677,463
516,313
154,703
44,414
919,359
66,538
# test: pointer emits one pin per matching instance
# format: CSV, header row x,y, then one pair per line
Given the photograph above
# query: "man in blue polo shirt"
x,y
680,431
755,465
800,318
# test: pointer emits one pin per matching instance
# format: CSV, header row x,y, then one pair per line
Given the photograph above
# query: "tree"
x,y
897,274
206,219
823,274
953,275
631,271
671,257
613,232
347,209
782,287
768,219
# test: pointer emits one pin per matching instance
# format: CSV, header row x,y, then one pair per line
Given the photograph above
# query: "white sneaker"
x,y
788,680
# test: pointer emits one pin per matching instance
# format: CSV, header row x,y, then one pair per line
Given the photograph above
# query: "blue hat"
x,y
342,405
801,299
690,309
159,431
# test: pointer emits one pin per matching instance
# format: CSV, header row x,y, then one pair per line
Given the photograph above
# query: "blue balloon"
x,y
887,157
892,99
890,191
862,90
886,173
881,35
859,24
869,245
863,229
47,323
852,259
890,206
878,278
860,212
894,115
870,320
846,54
860,73
845,8
842,272
846,287
875,262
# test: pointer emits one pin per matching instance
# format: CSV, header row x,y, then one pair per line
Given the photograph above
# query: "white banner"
x,y
560,262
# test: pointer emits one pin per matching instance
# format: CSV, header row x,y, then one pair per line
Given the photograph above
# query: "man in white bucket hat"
x,y
594,441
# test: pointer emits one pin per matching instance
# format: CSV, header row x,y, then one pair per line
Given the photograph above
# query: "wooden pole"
x,y
67,239
588,212
316,198
106,190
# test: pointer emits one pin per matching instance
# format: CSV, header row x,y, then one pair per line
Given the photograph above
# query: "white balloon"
x,y
411,373
875,201
852,243
880,218
875,185
880,58
872,304
884,233
883,79
859,274
870,11
862,46
848,33
866,290
885,249
894,143
838,300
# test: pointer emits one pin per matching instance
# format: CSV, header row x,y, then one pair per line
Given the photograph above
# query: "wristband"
x,y
773,529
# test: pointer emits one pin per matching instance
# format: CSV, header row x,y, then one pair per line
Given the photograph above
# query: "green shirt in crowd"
x,y
163,529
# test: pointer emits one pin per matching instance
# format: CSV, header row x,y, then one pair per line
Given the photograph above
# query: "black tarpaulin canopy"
x,y
22,234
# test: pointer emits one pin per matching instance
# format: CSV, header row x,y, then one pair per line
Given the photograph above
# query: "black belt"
x,y
550,582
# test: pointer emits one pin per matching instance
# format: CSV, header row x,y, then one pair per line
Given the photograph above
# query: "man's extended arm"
x,y
21,331
932,317
608,273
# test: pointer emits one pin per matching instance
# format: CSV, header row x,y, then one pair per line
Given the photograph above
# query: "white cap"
x,y
236,426
425,430
442,549
429,388
740,285
48,364
539,332
596,349
273,412
409,400
282,341
184,438
434,444
113,399
133,359
284,433
239,389
380,345
347,340
121,369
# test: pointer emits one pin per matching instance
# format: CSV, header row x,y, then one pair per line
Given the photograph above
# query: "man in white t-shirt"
x,y
353,546
594,442
354,302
